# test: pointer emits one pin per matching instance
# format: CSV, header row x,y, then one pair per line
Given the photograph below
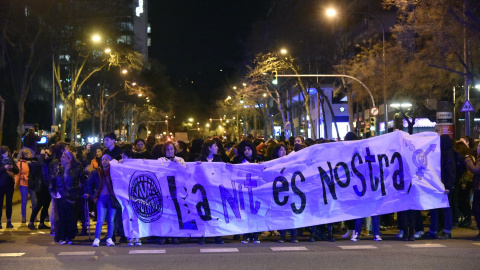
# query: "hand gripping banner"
x,y
320,184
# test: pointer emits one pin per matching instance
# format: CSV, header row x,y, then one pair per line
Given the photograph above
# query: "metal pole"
x,y
53,89
465,71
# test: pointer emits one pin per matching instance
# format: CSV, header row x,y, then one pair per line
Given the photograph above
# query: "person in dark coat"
x,y
8,169
67,185
38,181
31,140
111,149
448,175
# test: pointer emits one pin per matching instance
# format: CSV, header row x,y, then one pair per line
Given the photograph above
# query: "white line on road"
x,y
358,247
148,251
288,248
76,253
218,250
478,244
11,254
425,245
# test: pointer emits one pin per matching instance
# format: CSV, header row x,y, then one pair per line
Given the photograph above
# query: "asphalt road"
x,y
21,248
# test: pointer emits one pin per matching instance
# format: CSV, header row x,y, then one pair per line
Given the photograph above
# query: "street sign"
x,y
467,107
374,111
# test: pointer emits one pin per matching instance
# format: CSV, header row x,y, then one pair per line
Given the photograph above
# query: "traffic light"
x,y
275,80
372,121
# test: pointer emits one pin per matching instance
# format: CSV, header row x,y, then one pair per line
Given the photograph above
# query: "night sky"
x,y
202,41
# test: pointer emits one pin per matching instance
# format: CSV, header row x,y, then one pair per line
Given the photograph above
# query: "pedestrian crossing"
x,y
232,250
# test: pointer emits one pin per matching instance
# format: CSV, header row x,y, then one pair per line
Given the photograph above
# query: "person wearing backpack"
x,y
38,181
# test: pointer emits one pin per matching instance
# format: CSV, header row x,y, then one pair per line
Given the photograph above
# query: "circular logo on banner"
x,y
145,196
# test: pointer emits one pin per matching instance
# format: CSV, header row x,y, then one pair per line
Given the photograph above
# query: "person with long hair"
x,y
247,153
100,188
65,187
8,169
21,180
209,153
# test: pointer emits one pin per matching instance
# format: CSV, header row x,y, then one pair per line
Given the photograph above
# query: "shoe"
x,y
219,240
9,225
52,233
31,227
377,238
201,241
293,240
42,226
110,242
24,220
138,242
245,241
355,237
62,242
430,235
281,240
445,236
96,242
69,242
131,242
175,241
256,241
311,239
348,233
418,234
400,234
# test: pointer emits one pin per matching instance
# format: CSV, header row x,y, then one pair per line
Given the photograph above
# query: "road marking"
x,y
11,254
478,244
358,247
425,245
148,251
76,253
288,248
218,250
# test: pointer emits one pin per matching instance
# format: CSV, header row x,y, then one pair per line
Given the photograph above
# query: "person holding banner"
x,y
247,153
169,151
100,188
209,154
448,172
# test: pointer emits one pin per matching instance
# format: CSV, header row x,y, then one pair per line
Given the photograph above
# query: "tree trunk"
x,y
21,118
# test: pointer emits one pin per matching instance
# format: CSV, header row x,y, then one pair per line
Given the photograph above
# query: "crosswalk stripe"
x,y
218,250
358,247
425,245
11,254
288,248
478,244
76,253
148,251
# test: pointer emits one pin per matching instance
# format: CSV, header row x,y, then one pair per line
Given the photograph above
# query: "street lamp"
x,y
96,38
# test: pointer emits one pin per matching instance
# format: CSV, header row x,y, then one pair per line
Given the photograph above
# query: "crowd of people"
x,y
75,182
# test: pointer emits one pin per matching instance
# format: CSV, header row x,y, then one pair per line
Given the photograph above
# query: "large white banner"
x,y
320,184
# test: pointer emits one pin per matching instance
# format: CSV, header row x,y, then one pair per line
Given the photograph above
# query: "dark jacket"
x,y
96,179
36,179
475,169
448,169
69,187
216,158
116,152
6,179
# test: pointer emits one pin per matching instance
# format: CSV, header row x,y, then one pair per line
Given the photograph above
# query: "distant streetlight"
x,y
207,125
283,51
190,119
331,12
124,71
108,50
96,38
